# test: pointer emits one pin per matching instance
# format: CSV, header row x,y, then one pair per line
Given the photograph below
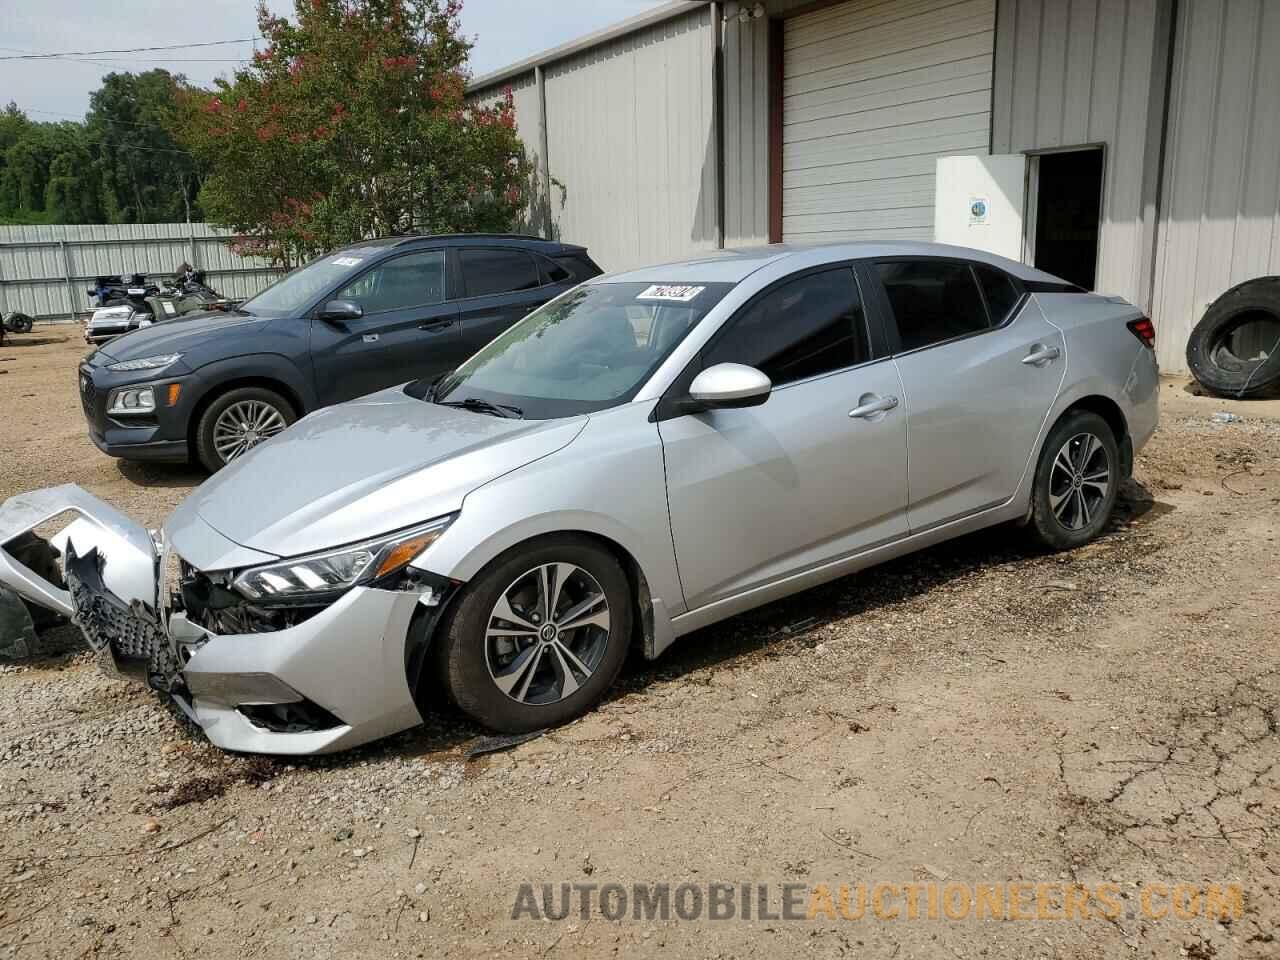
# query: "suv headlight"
x,y
146,363
132,400
320,576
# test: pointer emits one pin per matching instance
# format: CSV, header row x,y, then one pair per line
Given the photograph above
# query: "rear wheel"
x,y
1077,481
238,421
538,636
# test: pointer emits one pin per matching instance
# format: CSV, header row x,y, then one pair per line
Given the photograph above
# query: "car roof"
x,y
735,265
483,239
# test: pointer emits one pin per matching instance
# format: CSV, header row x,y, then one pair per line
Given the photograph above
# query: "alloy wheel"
x,y
547,633
1079,481
244,425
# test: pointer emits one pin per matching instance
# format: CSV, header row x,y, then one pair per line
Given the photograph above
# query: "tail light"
x,y
1144,330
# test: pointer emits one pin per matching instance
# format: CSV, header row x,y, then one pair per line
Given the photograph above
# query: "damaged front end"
x,y
259,674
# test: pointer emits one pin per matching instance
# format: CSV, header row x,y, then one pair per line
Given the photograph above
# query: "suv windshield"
x,y
590,349
299,289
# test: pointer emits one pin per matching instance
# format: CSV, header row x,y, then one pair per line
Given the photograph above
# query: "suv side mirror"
x,y
339,311
729,385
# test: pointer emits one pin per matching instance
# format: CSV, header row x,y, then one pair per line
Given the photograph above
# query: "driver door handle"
x,y
870,407
434,325
1041,354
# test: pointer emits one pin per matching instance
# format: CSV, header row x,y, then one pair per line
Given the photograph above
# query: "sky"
x,y
504,31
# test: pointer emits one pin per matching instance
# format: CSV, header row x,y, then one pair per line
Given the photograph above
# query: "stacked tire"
x,y
1234,351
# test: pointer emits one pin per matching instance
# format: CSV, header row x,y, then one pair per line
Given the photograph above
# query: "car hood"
x,y
179,335
363,468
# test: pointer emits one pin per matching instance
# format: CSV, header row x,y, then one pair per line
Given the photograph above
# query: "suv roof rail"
x,y
481,236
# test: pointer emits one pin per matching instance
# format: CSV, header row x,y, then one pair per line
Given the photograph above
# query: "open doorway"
x,y
1068,214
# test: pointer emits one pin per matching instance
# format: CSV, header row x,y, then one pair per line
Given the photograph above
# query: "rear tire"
x,y
251,407
1077,481
518,681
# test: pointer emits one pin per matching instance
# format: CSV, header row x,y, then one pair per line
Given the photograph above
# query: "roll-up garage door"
x,y
874,91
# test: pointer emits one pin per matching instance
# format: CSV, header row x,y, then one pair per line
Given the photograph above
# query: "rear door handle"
x,y
434,325
869,405
1040,354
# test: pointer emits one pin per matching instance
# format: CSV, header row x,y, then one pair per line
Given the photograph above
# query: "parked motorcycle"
x,y
121,306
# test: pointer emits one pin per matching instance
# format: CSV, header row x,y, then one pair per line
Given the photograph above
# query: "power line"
x,y
92,53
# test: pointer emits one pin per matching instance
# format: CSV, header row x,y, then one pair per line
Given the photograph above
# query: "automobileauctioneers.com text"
x,y
879,901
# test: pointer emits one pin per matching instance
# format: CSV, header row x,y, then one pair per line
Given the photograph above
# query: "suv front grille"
x,y
88,393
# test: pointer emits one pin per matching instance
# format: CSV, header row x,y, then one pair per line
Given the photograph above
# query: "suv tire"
x,y
270,413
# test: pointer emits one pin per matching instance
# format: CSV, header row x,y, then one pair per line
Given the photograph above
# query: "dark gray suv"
x,y
210,386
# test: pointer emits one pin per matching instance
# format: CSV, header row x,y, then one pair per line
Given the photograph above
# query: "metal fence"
x,y
44,271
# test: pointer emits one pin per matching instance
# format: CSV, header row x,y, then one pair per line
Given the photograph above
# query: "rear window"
x,y
489,271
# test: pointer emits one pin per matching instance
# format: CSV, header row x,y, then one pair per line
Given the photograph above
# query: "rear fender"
x,y
129,552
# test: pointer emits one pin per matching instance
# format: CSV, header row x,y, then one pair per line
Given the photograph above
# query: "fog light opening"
x,y
301,716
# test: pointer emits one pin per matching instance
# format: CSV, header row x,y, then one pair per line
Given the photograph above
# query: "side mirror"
x,y
729,385
340,311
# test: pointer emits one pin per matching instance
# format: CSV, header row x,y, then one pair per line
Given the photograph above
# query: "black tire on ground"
x,y
1244,320
205,448
19,322
1056,515
459,653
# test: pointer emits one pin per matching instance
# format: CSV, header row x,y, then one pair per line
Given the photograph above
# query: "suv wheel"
x,y
538,636
1076,483
238,421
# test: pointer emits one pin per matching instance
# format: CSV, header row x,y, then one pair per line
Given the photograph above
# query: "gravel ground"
x,y
979,713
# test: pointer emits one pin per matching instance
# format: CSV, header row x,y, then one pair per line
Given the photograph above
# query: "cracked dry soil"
x,y
979,713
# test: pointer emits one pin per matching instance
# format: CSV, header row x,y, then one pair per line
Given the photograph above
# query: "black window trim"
x,y
669,406
889,318
462,283
381,262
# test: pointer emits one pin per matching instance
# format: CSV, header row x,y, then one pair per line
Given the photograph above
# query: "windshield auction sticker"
x,y
670,293
347,261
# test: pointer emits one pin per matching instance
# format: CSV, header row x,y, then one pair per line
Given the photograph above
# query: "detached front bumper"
x,y
335,680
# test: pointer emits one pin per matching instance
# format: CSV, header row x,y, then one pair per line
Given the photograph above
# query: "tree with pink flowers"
x,y
352,122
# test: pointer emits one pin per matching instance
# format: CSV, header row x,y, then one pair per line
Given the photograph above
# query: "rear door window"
x,y
488,271
998,288
932,300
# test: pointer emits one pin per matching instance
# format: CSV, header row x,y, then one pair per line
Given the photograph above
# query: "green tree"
x,y
353,123
146,175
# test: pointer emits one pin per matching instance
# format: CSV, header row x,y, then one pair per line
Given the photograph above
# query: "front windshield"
x,y
590,349
299,289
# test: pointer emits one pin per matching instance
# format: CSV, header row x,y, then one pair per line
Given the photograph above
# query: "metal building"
x,y
1148,132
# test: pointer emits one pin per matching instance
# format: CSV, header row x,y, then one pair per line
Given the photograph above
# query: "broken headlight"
x,y
325,575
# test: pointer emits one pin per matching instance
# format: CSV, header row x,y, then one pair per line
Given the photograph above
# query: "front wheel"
x,y
238,421
1077,481
538,636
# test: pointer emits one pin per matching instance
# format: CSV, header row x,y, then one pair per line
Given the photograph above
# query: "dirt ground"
x,y
980,713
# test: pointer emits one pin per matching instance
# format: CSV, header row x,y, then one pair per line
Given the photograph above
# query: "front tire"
x,y
238,421
538,636
1077,481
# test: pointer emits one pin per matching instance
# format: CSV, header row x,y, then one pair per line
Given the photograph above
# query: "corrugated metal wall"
x,y
1088,72
745,57
1220,222
873,95
44,270
631,136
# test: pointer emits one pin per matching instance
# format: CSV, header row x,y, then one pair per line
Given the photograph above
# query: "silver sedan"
x,y
649,453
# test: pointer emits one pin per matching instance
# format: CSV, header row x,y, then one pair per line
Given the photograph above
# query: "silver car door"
x,y
814,474
977,387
